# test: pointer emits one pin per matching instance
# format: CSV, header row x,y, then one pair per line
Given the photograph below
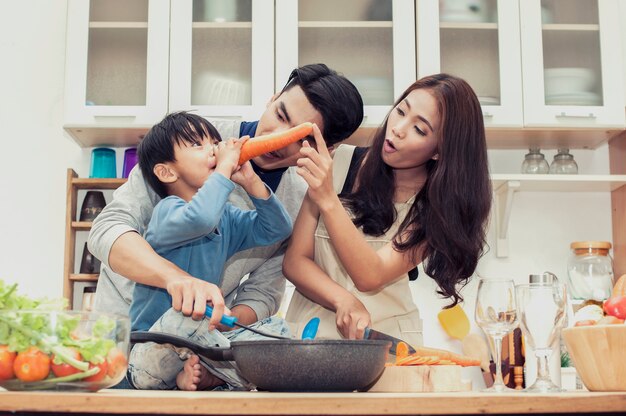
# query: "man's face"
x,y
285,111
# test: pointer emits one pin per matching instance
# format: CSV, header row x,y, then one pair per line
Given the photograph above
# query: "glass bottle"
x,y
535,162
563,163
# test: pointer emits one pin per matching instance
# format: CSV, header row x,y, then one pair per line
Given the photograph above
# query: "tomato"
x,y
7,358
100,374
32,365
65,369
117,362
616,306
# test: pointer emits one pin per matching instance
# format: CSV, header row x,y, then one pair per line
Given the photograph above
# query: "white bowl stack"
x,y
570,86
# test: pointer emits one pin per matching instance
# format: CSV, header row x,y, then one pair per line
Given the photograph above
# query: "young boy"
x,y
195,227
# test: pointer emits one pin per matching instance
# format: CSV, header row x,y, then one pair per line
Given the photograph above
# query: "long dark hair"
x,y
447,222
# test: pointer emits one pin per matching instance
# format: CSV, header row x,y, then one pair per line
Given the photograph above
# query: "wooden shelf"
x,y
84,277
98,183
81,225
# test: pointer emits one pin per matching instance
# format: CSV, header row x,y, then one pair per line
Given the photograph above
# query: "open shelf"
x,y
84,277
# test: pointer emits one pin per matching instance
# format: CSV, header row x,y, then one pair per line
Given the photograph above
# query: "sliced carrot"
x,y
431,356
260,145
402,351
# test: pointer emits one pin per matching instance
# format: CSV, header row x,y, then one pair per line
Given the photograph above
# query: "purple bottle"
x,y
130,160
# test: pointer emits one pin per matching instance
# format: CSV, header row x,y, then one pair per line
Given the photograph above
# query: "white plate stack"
x,y
570,86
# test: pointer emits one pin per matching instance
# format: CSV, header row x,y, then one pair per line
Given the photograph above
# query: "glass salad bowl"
x,y
62,350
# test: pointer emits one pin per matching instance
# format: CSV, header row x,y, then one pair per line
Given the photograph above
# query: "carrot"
x,y
260,145
424,355
402,351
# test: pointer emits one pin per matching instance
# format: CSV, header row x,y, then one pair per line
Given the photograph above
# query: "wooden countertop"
x,y
265,403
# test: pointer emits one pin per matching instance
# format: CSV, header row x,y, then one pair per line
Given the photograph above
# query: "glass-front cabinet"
x,y
571,63
479,41
371,42
116,62
222,57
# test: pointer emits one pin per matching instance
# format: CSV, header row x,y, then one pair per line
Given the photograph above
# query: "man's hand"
x,y
190,296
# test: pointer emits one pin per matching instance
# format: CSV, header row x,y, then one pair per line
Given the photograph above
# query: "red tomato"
x,y
117,362
64,369
7,358
32,365
100,374
616,306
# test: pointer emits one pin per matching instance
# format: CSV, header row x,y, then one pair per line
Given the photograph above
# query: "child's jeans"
x,y
155,366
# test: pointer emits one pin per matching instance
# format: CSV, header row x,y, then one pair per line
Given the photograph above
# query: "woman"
x,y
419,194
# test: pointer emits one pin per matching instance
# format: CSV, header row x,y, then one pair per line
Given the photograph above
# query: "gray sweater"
x,y
130,211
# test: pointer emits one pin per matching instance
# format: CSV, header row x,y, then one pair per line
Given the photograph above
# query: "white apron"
x,y
391,308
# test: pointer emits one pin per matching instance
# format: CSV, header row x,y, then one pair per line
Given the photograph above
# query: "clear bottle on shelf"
x,y
590,272
564,163
535,162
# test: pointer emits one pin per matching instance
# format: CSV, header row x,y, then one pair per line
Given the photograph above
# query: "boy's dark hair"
x,y
158,144
333,95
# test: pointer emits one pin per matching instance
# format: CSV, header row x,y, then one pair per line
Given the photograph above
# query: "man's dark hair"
x,y
333,95
158,144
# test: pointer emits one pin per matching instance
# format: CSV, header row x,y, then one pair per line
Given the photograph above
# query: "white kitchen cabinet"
x,y
222,57
131,62
571,64
371,42
116,67
478,41
482,41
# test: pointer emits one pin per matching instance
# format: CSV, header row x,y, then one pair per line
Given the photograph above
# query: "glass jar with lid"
x,y
590,272
564,163
535,162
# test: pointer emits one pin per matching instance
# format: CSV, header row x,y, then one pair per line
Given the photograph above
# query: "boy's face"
x,y
285,111
195,161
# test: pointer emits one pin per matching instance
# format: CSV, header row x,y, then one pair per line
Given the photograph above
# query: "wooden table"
x,y
265,403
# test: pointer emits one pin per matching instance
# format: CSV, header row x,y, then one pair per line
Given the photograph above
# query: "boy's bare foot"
x,y
195,377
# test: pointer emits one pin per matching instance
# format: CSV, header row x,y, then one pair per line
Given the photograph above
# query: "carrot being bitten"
x,y
260,145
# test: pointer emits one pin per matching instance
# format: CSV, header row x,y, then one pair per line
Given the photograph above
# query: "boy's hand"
x,y
190,296
250,181
227,154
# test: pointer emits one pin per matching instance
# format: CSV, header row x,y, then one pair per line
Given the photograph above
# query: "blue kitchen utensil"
x,y
231,321
310,329
103,163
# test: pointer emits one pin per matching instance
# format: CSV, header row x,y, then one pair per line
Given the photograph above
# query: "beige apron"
x,y
391,308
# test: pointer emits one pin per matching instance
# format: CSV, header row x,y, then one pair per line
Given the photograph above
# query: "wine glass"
x,y
496,314
541,313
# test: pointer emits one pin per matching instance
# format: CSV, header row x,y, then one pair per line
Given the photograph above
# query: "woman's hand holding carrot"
x,y
316,168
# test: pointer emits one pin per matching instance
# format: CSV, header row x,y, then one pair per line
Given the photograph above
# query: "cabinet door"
x,y
479,41
117,62
371,42
572,67
222,57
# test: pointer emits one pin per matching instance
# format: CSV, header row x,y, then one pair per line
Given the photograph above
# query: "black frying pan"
x,y
293,364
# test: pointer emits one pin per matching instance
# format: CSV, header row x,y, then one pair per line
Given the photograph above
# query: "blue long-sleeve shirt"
x,y
200,235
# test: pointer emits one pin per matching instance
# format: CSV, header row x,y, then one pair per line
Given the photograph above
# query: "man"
x,y
313,93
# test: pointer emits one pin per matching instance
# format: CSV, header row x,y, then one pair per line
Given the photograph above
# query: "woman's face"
x,y
412,131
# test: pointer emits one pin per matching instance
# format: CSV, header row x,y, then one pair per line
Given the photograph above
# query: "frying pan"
x,y
293,364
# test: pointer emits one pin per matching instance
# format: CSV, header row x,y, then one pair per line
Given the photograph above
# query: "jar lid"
x,y
545,278
590,244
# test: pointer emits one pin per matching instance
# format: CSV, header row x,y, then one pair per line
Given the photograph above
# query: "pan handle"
x,y
212,353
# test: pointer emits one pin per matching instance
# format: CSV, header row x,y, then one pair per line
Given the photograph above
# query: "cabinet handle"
x,y
577,114
487,115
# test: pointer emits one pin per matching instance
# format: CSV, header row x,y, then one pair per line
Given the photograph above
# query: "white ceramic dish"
x,y
574,98
568,80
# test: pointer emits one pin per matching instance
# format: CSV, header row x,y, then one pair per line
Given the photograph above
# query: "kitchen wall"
x,y
36,153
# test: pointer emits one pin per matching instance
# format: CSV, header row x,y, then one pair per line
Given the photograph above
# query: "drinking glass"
x,y
496,314
541,312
